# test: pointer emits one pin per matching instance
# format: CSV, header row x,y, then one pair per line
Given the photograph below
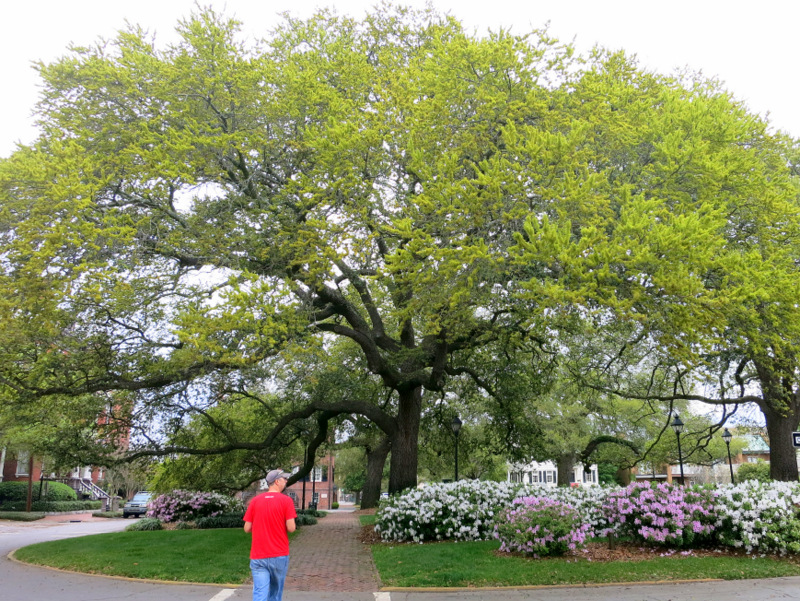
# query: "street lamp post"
x,y
727,437
314,485
677,425
305,460
456,425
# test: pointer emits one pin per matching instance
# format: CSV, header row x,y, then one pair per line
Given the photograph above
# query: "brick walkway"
x,y
329,557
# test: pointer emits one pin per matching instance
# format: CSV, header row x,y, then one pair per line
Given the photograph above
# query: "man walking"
x,y
270,517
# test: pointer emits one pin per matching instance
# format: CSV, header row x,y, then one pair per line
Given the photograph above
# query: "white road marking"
x,y
223,594
383,596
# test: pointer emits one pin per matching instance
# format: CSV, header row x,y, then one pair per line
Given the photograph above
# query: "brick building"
x,y
318,485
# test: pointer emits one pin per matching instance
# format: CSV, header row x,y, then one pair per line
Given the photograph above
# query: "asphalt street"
x,y
19,582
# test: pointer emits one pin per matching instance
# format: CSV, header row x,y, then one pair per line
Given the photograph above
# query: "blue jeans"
x,y
268,577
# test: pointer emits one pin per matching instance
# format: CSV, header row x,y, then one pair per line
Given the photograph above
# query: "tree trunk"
x,y
780,405
376,459
565,464
29,500
405,442
782,454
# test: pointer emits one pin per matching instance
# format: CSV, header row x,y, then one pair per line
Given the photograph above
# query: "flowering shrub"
x,y
466,510
662,513
760,516
756,516
539,526
184,505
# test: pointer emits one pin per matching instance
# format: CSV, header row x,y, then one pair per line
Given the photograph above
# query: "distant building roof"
x,y
754,444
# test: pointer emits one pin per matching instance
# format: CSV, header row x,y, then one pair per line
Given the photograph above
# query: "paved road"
x,y
20,582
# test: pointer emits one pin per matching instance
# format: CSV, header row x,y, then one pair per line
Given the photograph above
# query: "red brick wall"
x,y
10,469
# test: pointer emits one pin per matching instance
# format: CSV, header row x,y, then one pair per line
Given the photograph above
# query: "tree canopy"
x,y
194,217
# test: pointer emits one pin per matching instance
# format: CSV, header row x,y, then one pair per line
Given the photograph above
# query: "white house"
x,y
545,473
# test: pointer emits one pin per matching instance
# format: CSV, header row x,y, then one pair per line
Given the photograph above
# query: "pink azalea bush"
x,y
662,513
539,526
185,505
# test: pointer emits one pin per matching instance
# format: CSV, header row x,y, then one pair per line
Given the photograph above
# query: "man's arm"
x,y
290,526
248,526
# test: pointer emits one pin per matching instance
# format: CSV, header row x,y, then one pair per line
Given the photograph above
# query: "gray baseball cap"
x,y
275,474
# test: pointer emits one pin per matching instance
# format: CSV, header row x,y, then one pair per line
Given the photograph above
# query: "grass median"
x,y
477,564
221,557
212,556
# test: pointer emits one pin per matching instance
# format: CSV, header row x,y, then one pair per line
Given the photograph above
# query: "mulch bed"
x,y
368,536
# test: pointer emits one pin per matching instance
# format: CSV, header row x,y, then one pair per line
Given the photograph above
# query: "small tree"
x,y
754,471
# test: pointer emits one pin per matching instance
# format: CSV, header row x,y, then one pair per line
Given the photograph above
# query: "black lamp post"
x,y
677,425
727,437
314,484
456,425
305,460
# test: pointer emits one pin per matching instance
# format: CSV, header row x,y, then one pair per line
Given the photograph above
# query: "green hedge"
x,y
51,491
107,514
21,516
754,471
235,520
145,524
225,520
54,506
305,520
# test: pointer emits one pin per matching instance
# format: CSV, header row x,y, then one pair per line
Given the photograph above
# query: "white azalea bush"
x,y
759,516
467,510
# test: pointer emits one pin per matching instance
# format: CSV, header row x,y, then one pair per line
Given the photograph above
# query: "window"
x,y
23,457
549,476
534,477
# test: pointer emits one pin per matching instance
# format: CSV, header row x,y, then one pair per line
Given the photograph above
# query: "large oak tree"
x,y
431,196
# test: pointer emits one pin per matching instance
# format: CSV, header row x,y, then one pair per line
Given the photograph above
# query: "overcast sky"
x,y
752,46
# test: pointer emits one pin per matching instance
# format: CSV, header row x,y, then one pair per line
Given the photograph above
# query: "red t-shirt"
x,y
268,513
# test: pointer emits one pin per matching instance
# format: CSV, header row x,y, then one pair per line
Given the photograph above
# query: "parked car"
x,y
137,505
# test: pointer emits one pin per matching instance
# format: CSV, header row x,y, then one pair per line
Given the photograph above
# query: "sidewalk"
x,y
329,557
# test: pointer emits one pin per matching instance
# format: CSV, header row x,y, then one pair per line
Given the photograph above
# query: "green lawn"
x,y
217,556
475,564
221,556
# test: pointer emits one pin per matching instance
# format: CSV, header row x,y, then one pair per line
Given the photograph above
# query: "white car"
x,y
137,505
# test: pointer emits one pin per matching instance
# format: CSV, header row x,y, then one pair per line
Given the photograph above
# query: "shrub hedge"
x,y
21,516
186,505
107,514
54,506
224,520
145,524
305,520
754,471
52,491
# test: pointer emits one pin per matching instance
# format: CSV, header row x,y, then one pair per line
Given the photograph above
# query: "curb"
x,y
535,587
